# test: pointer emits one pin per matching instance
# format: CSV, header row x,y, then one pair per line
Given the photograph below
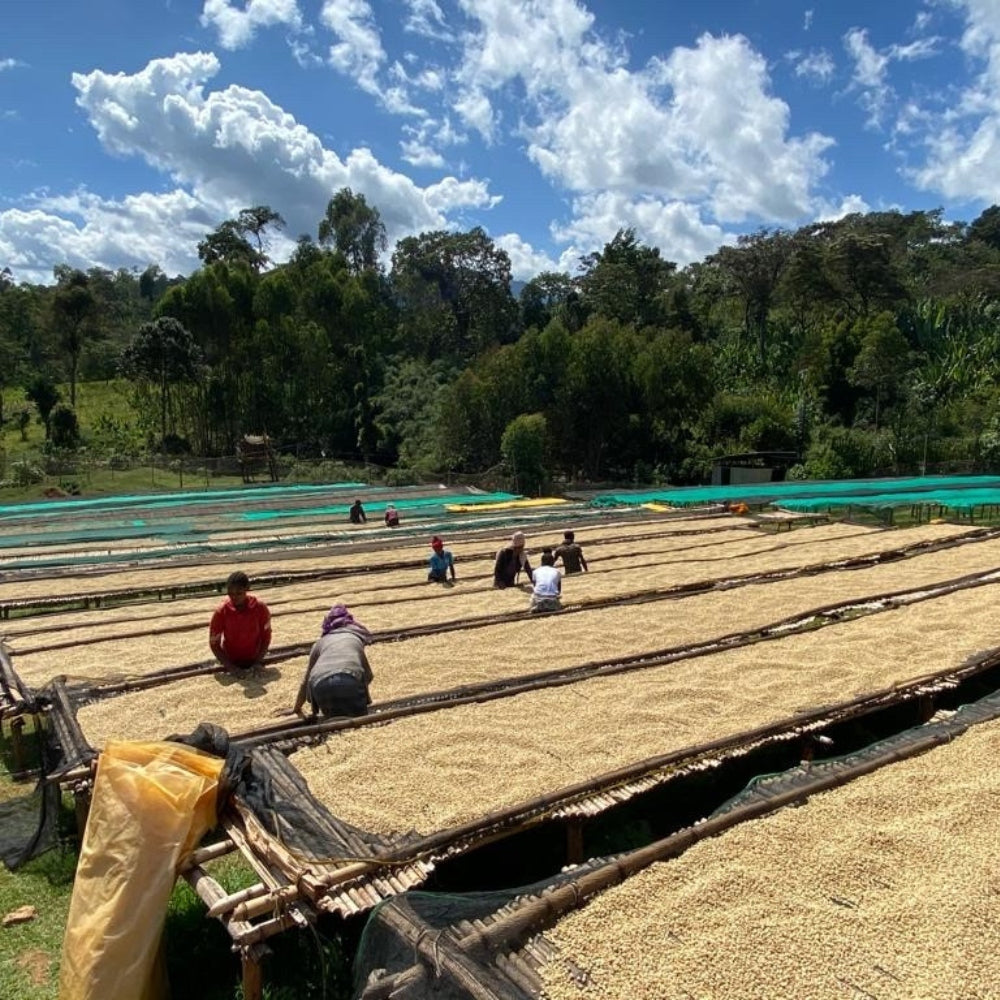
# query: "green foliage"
x,y
64,427
524,445
848,453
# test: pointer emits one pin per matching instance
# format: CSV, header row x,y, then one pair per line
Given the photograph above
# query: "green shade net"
x,y
782,493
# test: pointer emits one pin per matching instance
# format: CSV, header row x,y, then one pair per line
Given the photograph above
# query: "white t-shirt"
x,y
547,581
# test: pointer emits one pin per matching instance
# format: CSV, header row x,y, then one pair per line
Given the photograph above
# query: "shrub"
x,y
25,473
64,428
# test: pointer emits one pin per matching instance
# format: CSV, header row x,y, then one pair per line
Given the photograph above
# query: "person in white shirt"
x,y
545,595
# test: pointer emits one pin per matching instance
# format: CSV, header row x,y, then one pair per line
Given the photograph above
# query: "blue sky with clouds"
x,y
130,128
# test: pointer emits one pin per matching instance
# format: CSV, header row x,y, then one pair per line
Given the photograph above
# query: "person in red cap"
x,y
441,562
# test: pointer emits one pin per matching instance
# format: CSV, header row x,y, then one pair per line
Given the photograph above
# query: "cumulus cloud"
x,y
676,227
963,143
358,53
852,204
84,231
236,26
223,150
525,261
699,124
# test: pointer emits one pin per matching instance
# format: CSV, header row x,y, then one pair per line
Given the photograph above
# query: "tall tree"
x,y
626,280
454,293
354,228
74,310
162,354
753,269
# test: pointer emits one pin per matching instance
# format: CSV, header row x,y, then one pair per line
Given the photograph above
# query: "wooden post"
x,y
17,743
253,977
81,806
574,842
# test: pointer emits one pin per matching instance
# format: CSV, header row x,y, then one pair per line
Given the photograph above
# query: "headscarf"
x,y
436,544
337,617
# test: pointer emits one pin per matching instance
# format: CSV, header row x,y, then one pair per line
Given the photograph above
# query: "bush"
x,y
25,473
64,428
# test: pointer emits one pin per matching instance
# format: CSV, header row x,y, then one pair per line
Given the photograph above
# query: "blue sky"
x,y
130,128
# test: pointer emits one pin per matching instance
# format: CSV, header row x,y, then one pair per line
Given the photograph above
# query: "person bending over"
x,y
571,554
240,631
441,562
511,561
338,674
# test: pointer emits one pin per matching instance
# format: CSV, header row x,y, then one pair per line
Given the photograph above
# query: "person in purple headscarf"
x,y
338,674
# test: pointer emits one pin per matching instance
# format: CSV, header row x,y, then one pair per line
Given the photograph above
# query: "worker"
x,y
338,674
391,516
571,554
441,562
547,590
511,561
240,631
357,513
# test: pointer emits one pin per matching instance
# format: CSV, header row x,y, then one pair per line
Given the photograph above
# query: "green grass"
x,y
200,960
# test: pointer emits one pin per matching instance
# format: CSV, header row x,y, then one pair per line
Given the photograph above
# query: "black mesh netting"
x,y
384,952
29,818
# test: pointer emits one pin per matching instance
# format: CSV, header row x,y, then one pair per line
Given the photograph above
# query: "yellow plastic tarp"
x,y
473,508
152,804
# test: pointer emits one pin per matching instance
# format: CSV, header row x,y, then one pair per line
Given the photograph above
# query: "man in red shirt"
x,y
240,632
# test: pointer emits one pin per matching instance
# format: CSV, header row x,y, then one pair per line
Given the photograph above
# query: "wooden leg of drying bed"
x,y
574,842
253,977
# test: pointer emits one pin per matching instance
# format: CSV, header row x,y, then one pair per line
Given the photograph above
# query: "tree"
x,y
754,268
73,308
523,446
255,222
162,354
986,228
454,294
543,297
64,426
626,280
883,359
230,243
42,391
355,229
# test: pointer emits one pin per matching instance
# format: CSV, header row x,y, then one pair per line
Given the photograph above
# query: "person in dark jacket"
x,y
511,561
338,674
357,513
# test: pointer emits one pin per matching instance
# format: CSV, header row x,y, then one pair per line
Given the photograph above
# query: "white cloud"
x,y
963,142
807,20
11,64
426,18
853,204
86,231
223,150
871,68
700,124
818,67
359,53
237,26
525,261
676,227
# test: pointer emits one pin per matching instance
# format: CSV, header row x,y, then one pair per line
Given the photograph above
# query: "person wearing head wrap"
x,y
338,673
570,553
511,561
441,562
391,516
